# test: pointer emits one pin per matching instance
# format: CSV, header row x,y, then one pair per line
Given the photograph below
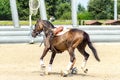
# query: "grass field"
x,y
56,22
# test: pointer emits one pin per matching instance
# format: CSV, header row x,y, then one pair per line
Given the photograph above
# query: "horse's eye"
x,y
34,31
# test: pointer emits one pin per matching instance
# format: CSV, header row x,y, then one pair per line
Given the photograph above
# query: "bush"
x,y
5,12
85,16
66,16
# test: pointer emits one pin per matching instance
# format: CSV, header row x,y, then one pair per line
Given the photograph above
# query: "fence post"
x,y
74,13
115,9
14,13
43,10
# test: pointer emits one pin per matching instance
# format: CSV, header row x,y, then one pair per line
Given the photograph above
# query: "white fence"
x,y
103,33
23,34
17,35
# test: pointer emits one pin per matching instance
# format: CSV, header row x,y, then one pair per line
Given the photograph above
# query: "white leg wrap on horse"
x,y
69,65
84,64
41,62
50,68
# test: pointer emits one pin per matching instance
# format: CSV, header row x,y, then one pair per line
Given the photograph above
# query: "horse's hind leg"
x,y
71,63
81,49
83,66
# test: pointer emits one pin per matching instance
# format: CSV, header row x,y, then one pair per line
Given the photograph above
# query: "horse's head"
x,y
38,28
42,25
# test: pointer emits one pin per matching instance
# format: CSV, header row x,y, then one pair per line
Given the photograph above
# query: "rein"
x,y
47,31
42,40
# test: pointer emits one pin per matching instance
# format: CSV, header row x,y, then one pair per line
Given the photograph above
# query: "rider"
x,y
57,30
49,38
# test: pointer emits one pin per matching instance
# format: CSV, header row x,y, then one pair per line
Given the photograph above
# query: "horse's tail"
x,y
91,46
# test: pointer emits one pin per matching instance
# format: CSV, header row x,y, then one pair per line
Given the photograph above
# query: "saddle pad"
x,y
62,32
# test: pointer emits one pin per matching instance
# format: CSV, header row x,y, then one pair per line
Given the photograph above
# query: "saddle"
x,y
59,31
62,32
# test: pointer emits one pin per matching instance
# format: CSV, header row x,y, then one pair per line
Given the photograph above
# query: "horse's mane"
x,y
51,25
47,23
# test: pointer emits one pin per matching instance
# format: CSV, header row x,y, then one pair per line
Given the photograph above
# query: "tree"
x,y
101,9
5,12
58,8
23,10
80,8
83,14
64,11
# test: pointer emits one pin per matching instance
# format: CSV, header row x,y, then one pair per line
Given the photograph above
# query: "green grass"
x,y
60,22
6,23
56,22
9,23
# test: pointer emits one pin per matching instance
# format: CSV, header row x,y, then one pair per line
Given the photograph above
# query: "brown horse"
x,y
74,38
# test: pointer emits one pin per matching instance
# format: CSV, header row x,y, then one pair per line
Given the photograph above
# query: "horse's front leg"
x,y
43,55
51,61
46,49
42,66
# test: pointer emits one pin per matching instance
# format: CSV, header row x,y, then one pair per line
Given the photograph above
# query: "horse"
x,y
70,40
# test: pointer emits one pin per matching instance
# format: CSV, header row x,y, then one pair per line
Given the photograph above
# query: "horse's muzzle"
x,y
34,34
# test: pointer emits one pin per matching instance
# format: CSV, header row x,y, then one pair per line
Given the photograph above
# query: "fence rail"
x,y
23,34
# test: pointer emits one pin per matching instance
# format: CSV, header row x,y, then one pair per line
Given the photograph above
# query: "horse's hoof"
x,y
86,70
47,73
43,72
31,42
42,65
64,73
74,70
